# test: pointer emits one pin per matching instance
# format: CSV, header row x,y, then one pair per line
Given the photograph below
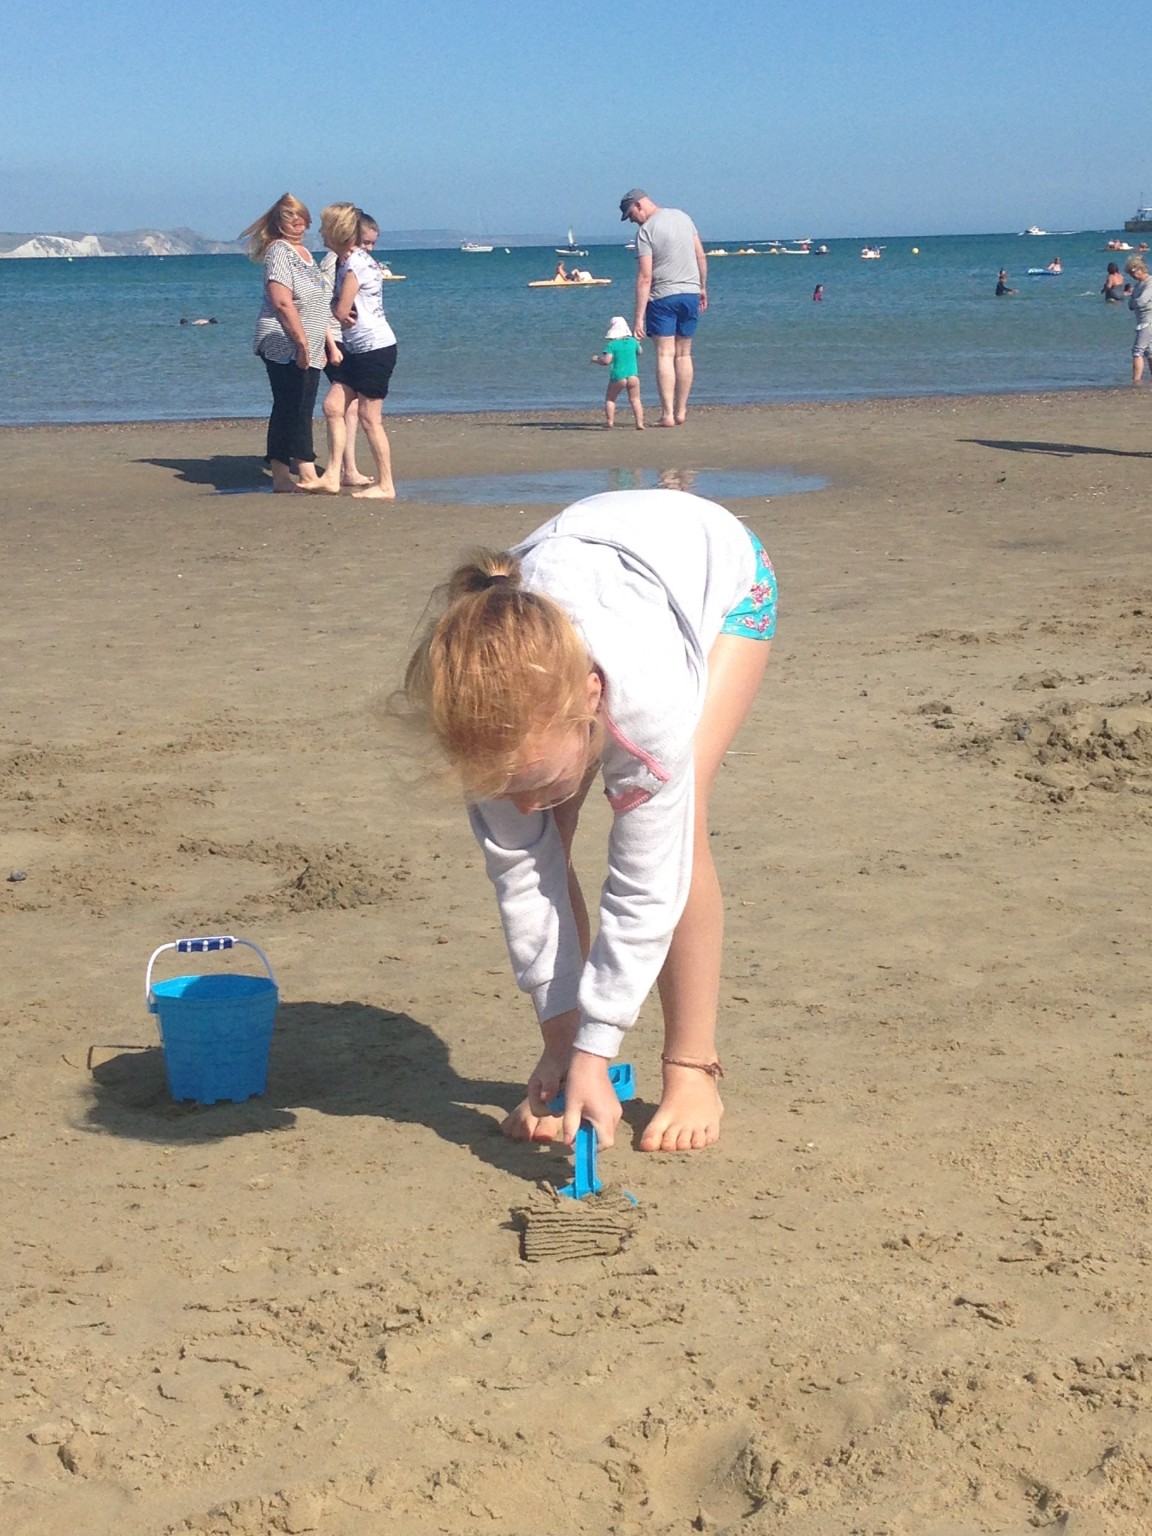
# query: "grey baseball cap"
x,y
629,198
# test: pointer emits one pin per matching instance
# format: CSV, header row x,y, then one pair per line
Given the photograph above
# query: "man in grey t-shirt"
x,y
671,291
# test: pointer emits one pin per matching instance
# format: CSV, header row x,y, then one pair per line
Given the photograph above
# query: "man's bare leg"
x,y
688,1116
684,374
666,378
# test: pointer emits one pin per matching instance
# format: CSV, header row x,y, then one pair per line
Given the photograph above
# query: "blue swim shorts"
x,y
755,617
674,316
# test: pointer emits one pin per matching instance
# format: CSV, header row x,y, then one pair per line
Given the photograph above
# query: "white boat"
x,y
872,253
571,249
475,246
1033,229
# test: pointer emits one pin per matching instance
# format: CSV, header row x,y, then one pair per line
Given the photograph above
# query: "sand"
x,y
909,1292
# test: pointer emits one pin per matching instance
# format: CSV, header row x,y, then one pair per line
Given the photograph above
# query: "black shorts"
x,y
368,373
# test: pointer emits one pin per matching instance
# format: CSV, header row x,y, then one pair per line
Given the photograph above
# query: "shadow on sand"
x,y
223,471
336,1058
1057,450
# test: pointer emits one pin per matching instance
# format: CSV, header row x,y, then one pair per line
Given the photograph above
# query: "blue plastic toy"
x,y
585,1181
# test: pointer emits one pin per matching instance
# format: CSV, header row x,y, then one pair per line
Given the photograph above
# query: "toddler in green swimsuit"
x,y
620,354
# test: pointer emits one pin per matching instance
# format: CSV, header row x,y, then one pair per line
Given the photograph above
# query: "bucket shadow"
x,y
338,1058
223,471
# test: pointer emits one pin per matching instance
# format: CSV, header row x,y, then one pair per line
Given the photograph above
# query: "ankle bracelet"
x,y
713,1068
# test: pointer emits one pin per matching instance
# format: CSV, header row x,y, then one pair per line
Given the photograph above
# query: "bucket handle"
x,y
201,946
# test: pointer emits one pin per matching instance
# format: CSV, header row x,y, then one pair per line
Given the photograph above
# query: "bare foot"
x,y
666,422
639,426
523,1125
376,493
356,479
323,484
688,1116
283,485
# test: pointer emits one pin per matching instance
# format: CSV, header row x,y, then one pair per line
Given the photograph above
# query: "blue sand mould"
x,y
585,1181
216,1030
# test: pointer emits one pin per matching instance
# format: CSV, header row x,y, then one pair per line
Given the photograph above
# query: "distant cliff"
x,y
133,242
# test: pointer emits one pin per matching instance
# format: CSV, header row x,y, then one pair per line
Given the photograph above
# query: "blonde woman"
x,y
368,347
294,336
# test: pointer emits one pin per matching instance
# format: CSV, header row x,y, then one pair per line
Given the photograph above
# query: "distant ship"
x,y
571,249
1033,229
474,246
1140,222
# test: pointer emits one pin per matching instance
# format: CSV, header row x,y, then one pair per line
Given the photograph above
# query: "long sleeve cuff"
x,y
600,1039
556,996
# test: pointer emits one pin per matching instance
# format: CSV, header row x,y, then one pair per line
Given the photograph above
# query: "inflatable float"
x,y
564,282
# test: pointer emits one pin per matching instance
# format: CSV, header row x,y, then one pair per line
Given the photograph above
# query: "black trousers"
x,y
293,401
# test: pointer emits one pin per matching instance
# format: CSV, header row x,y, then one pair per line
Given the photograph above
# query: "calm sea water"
x,y
99,339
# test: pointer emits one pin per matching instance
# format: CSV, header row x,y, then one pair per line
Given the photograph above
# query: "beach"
x,y
907,1294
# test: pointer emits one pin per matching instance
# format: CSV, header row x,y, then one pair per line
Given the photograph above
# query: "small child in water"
x,y
621,351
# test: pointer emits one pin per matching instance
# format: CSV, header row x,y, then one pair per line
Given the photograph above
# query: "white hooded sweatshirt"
x,y
647,577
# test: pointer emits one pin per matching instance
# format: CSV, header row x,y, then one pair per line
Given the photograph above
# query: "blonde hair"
x,y
497,667
340,225
1135,266
262,231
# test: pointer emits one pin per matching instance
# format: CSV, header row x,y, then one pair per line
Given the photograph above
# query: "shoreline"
x,y
711,408
907,1291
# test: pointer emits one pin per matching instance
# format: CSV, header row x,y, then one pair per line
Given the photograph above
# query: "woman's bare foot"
x,y
665,421
523,1125
357,479
688,1116
323,484
376,493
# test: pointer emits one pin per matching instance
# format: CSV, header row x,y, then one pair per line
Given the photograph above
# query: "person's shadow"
x,y
1057,450
228,472
338,1058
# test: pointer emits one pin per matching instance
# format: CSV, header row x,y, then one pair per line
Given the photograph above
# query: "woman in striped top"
x,y
294,337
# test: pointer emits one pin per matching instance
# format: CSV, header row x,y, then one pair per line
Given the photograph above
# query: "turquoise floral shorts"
x,y
755,617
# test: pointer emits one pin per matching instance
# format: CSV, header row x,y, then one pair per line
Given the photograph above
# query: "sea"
x,y
99,339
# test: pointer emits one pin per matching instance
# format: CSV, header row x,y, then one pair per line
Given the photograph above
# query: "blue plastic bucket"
x,y
216,1030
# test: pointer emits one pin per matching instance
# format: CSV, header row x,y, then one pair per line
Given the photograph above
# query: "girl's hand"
x,y
589,1095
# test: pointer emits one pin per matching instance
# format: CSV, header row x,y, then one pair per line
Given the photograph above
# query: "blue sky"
x,y
515,117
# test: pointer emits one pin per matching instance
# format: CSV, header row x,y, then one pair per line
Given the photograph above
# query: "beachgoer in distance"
x,y
627,634
561,273
818,294
671,293
1002,288
368,343
1141,304
621,354
1055,266
294,336
1113,289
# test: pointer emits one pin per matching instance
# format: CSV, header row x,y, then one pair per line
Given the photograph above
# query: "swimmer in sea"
x,y
1002,287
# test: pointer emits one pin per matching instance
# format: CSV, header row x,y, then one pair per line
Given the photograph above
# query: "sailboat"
x,y
571,249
